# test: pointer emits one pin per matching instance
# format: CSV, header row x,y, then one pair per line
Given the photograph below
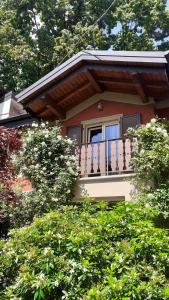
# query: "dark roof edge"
x,y
95,55
15,118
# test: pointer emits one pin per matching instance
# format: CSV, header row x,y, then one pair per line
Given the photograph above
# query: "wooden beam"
x,y
93,81
56,110
73,93
57,84
40,111
129,81
139,87
31,111
127,69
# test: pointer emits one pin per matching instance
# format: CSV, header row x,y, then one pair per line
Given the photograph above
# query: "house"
x,y
97,95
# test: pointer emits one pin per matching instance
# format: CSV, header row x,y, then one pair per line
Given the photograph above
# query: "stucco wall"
x,y
116,188
110,108
163,113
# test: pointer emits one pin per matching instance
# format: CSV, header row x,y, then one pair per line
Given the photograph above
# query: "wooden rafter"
x,y
54,108
93,81
73,93
140,87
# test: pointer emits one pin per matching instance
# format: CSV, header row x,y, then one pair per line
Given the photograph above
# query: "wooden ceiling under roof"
x,y
83,76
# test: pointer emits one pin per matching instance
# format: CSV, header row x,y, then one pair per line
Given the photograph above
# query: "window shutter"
x,y
130,121
75,132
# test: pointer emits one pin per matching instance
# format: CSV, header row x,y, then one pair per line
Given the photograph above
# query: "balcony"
x,y
105,158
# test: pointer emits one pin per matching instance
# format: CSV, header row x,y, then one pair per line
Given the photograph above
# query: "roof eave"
x,y
103,56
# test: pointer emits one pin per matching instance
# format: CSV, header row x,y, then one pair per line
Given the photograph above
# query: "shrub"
x,y
151,163
47,159
88,252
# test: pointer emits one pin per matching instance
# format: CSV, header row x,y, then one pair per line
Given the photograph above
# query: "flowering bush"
x,y
151,162
47,159
88,253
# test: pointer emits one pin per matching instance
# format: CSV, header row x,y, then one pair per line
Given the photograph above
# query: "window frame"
x,y
100,122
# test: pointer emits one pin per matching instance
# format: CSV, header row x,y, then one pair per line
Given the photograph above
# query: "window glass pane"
x,y
95,135
112,132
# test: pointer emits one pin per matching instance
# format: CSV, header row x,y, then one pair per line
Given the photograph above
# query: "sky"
x,y
168,3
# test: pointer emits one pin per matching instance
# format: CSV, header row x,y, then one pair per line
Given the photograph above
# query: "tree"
x,y
10,142
37,34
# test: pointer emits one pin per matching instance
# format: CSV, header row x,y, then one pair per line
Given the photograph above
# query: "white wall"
x,y
5,109
116,187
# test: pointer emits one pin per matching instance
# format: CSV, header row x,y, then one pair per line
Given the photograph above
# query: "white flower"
x,y
68,163
34,124
43,125
159,129
47,250
59,137
148,125
70,142
35,149
46,135
56,283
43,144
50,153
150,196
55,199
153,121
71,170
165,134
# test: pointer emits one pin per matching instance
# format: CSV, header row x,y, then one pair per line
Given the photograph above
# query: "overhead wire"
x,y
93,25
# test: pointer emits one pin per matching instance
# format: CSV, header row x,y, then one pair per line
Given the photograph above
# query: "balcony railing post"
x,y
107,158
124,154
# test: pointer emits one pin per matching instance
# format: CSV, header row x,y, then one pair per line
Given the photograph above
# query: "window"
x,y
103,132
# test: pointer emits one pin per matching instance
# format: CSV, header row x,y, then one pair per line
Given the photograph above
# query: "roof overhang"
x,y
91,72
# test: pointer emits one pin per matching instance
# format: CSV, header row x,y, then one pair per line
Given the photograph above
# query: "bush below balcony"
x,y
89,252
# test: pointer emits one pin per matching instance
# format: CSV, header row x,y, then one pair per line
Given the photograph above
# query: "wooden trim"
x,y
126,69
130,81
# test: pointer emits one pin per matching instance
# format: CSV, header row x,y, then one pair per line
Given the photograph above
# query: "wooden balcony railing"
x,y
106,158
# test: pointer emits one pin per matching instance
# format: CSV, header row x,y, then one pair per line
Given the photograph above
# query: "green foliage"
x,y
36,35
151,163
47,160
87,252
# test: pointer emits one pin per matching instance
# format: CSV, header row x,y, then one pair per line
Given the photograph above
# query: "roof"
x,y
157,57
85,73
18,121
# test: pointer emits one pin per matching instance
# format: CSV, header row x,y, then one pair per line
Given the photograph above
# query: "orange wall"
x,y
110,108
